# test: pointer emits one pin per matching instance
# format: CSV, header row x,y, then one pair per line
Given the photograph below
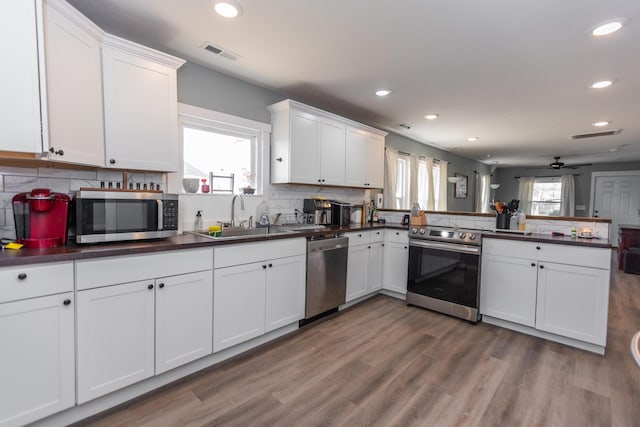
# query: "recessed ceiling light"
x,y
473,138
600,124
431,116
607,28
601,84
227,8
383,92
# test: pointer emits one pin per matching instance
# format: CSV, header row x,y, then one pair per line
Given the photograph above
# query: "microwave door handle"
x,y
160,216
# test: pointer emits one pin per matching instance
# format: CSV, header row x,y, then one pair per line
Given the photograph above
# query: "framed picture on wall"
x,y
460,187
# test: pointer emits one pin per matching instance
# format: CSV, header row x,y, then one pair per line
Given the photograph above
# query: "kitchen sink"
x,y
237,232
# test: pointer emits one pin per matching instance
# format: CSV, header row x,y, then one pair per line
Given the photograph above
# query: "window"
x,y
225,151
402,184
547,193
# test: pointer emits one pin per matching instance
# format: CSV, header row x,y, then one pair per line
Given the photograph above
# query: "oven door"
x,y
444,271
102,219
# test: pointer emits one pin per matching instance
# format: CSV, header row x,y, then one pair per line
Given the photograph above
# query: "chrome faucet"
x,y
233,204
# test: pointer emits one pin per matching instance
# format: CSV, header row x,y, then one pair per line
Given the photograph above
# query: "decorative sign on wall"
x,y
460,187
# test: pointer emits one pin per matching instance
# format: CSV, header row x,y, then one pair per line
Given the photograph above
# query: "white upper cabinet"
x,y
19,82
140,106
311,146
73,86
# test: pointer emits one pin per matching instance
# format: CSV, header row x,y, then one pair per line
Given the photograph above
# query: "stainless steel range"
x,y
444,270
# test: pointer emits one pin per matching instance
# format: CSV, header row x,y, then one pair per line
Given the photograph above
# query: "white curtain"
x,y
413,179
390,178
568,197
430,187
525,193
483,193
442,187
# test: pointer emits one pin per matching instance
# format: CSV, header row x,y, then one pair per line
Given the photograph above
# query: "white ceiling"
x,y
514,73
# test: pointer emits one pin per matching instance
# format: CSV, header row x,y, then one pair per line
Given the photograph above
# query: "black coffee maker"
x,y
317,211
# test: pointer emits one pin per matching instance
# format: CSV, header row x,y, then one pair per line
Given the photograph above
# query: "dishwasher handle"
x,y
328,244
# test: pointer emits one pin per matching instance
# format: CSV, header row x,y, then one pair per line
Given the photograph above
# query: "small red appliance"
x,y
41,218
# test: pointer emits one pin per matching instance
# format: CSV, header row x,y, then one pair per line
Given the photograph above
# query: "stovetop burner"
x,y
447,234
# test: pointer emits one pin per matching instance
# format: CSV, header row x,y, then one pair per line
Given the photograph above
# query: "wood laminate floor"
x,y
385,364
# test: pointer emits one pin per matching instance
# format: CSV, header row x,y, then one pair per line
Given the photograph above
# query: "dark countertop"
x,y
547,238
72,252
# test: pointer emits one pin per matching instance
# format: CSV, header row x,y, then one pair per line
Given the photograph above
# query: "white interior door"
x,y
618,198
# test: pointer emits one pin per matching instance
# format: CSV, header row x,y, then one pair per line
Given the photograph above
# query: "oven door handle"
x,y
445,247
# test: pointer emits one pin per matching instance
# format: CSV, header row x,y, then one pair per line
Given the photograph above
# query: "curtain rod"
x,y
408,154
544,176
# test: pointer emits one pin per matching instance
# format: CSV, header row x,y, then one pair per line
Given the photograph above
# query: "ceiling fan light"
x,y
431,116
383,92
227,8
600,124
494,186
473,139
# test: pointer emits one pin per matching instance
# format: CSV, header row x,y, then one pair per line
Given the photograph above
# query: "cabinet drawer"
x,y
555,252
396,236
116,270
246,253
358,238
31,281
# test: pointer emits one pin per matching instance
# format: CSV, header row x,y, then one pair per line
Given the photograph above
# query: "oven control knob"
x,y
422,231
472,236
462,235
414,231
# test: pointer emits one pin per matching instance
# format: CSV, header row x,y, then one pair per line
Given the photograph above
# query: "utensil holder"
x,y
503,221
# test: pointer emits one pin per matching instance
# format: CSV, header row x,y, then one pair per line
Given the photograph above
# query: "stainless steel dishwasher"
x,y
326,275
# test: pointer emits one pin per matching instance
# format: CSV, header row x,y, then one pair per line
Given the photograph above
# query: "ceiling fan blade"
x,y
577,165
571,167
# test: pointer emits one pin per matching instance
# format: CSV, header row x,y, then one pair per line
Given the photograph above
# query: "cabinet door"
x,y
74,88
357,263
19,82
184,319
573,301
115,337
285,291
508,289
332,152
356,158
374,161
375,266
305,139
396,260
140,112
37,358
238,304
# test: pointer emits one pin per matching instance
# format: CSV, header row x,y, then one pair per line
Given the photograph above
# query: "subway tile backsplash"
x,y
14,180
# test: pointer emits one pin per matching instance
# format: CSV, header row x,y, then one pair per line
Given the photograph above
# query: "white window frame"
x,y
208,120
402,185
534,202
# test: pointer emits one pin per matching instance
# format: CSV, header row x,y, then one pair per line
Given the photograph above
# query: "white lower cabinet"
x,y
115,338
130,331
365,265
508,289
37,368
396,260
256,293
553,288
573,301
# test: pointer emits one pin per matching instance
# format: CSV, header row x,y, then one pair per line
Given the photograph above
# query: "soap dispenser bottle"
x,y
197,226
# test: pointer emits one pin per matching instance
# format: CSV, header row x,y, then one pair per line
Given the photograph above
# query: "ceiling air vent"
x,y
227,54
595,134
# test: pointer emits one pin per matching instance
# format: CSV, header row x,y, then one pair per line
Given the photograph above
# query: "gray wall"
x,y
457,164
210,89
509,185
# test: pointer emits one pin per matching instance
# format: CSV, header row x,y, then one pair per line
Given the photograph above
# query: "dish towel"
x,y
635,347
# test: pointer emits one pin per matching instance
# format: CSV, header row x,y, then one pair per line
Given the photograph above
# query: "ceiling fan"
x,y
557,164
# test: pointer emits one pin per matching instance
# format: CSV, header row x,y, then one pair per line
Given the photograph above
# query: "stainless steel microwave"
x,y
108,216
